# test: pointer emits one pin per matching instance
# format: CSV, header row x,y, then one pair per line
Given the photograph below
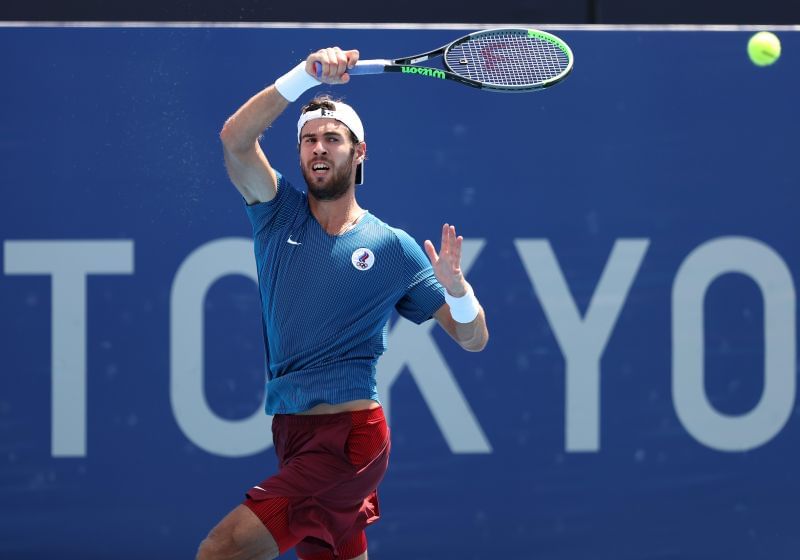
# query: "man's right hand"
x,y
334,63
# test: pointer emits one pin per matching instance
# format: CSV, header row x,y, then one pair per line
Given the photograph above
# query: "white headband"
x,y
343,113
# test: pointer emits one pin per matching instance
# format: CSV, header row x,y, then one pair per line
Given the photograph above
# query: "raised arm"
x,y
462,315
247,165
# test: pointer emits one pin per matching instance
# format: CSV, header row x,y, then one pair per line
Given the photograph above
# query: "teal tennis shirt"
x,y
326,300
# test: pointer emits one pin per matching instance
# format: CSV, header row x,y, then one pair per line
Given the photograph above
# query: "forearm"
x,y
467,328
242,129
472,336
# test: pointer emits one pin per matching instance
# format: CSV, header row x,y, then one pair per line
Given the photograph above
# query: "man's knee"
x,y
212,548
239,536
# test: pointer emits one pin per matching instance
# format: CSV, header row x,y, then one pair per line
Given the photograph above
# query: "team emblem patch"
x,y
362,259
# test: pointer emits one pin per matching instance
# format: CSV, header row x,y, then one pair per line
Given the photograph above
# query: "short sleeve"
x,y
424,294
273,214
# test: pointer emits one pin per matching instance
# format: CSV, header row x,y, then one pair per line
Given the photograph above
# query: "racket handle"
x,y
374,66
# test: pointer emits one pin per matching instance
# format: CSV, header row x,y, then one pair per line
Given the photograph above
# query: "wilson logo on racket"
x,y
490,56
422,71
362,259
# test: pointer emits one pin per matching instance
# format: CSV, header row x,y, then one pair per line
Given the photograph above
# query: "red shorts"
x,y
325,491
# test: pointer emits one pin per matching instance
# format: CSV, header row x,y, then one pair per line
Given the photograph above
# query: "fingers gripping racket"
x,y
503,60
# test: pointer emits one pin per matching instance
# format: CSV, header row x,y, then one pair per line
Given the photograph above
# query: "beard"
x,y
333,187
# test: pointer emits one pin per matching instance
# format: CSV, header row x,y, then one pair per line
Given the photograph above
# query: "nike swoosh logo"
x,y
291,241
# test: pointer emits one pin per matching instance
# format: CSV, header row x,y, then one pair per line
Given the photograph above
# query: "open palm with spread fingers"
x,y
447,262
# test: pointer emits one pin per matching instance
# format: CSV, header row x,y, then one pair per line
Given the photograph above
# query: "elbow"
x,y
478,347
477,344
231,137
227,134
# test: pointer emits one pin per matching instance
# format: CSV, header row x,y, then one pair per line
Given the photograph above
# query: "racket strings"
x,y
508,59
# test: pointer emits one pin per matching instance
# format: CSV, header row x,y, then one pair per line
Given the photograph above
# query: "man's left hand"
x,y
447,262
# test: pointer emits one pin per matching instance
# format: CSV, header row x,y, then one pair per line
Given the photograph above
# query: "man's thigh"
x,y
353,548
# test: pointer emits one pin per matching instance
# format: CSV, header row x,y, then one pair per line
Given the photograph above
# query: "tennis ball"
x,y
764,48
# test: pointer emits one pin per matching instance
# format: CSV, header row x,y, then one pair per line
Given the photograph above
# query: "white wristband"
x,y
292,84
464,309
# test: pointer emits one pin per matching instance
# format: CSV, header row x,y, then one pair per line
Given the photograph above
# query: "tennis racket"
x,y
503,60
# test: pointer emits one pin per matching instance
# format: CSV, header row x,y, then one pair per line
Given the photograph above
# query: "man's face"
x,y
328,158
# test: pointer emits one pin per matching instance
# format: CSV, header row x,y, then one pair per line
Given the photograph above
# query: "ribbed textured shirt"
x,y
326,300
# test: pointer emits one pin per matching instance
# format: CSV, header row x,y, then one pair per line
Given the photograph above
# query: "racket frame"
x,y
409,64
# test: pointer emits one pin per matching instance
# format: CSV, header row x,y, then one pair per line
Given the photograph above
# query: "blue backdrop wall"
x,y
631,234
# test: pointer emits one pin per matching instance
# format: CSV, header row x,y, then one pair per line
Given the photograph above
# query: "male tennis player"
x,y
330,275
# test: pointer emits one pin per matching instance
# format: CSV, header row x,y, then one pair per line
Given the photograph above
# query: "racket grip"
x,y
374,66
